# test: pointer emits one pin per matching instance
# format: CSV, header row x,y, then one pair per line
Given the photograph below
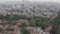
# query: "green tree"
x,y
25,31
23,25
0,29
57,24
39,22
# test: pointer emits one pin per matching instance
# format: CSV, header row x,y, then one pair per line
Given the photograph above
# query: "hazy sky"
x,y
33,0
47,0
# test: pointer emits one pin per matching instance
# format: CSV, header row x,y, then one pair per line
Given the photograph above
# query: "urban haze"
x,y
29,17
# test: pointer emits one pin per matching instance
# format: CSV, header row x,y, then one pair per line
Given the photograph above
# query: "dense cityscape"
x,y
29,17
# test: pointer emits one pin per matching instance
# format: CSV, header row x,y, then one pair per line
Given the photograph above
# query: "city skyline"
x,y
33,0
